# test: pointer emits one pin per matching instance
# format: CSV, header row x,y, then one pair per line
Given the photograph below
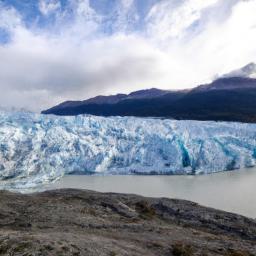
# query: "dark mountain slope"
x,y
128,107
226,99
228,84
220,105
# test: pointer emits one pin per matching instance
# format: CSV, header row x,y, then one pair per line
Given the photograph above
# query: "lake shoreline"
x,y
82,222
228,191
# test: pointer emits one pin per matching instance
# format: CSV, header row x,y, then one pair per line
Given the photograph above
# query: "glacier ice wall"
x,y
36,149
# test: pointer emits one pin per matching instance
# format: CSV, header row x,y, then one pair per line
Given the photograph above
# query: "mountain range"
x,y
231,97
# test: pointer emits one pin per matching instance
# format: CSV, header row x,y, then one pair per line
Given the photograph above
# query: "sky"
x,y
57,50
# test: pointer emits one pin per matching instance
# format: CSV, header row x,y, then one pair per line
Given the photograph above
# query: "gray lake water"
x,y
230,191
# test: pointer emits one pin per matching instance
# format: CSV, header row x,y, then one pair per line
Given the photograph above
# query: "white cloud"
x,y
9,18
223,46
167,20
49,6
65,70
127,3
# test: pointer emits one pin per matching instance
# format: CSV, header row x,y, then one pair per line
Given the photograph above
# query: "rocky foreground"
x,y
79,222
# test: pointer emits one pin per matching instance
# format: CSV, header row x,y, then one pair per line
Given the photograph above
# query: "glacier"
x,y
38,149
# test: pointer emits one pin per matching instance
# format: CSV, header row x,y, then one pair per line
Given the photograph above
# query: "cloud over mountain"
x,y
54,50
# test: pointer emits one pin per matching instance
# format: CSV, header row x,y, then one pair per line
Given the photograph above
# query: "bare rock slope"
x,y
78,222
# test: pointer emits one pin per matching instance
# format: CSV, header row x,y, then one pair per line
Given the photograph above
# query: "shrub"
x,y
180,249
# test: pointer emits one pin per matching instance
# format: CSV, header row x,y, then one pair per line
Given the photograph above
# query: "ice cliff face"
x,y
36,149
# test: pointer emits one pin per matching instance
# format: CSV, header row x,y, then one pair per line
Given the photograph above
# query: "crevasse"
x,y
36,149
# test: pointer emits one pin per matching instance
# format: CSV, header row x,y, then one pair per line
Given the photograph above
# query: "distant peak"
x,y
251,67
248,71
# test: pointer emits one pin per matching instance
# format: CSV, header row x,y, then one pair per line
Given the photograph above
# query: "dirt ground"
x,y
80,222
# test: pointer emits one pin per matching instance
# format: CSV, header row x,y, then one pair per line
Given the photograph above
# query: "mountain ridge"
x,y
112,99
248,71
224,99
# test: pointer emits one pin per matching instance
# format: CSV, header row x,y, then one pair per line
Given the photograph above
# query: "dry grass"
x,y
180,249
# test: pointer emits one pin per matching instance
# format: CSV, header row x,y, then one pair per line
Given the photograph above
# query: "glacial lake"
x,y
233,191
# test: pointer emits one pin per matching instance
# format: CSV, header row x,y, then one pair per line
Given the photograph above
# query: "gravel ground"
x,y
81,222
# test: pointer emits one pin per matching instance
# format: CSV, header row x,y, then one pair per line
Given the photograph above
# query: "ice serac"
x,y
36,149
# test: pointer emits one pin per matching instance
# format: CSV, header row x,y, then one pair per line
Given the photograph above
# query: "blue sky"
x,y
109,11
54,50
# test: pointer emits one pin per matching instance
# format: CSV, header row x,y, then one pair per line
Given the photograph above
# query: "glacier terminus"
x,y
37,149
